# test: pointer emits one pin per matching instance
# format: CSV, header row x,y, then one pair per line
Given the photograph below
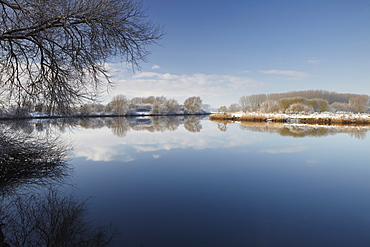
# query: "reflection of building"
x,y
143,109
140,121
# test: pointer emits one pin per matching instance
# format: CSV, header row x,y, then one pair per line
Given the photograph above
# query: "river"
x,y
188,181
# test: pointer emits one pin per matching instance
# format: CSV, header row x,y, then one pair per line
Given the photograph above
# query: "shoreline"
x,y
99,116
326,118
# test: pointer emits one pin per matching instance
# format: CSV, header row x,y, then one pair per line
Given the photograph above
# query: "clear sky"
x,y
221,50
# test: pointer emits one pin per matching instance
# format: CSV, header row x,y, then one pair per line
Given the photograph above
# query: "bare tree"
x,y
252,102
341,107
234,107
359,103
318,104
244,103
55,51
299,107
172,106
193,104
270,106
119,104
223,109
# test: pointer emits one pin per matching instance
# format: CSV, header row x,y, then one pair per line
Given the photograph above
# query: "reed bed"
x,y
220,116
324,119
254,118
251,117
341,120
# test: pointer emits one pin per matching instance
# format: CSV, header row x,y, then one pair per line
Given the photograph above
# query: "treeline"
x,y
119,105
301,101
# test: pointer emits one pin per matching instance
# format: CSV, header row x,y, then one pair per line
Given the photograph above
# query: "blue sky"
x,y
222,50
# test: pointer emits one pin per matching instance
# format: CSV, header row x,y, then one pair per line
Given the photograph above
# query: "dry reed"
x,y
260,117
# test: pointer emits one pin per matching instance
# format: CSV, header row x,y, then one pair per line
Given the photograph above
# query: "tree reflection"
x,y
299,130
192,124
118,125
49,218
29,163
222,124
173,123
32,160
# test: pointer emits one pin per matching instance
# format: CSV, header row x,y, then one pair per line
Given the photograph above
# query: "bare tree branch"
x,y
55,51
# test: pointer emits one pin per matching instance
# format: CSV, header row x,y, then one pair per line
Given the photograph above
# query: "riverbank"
x,y
328,118
44,116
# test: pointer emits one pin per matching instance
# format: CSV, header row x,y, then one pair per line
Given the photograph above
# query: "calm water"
x,y
191,182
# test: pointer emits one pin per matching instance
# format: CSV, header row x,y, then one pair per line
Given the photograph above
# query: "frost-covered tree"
x,y
299,108
149,100
136,101
270,106
222,109
359,103
319,105
337,106
244,103
234,107
119,104
311,97
193,104
285,103
89,109
252,102
160,99
172,106
157,108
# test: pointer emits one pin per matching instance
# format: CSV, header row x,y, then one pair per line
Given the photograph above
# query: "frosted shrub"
x,y
299,108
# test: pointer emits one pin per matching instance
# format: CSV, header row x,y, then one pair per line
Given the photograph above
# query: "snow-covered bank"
x,y
320,118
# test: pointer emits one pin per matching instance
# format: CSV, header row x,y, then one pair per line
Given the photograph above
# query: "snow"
x,y
316,115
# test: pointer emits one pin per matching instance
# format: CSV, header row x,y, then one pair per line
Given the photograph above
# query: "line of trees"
x,y
301,101
152,105
119,105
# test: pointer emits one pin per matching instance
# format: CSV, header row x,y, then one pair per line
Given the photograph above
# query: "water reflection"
x,y
121,126
30,160
118,126
33,212
138,145
49,218
298,130
229,184
237,187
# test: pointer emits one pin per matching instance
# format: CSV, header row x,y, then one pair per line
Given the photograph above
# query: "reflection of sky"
x,y
102,145
285,150
166,188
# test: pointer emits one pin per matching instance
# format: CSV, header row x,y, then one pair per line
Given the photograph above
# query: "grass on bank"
x,y
323,118
251,117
